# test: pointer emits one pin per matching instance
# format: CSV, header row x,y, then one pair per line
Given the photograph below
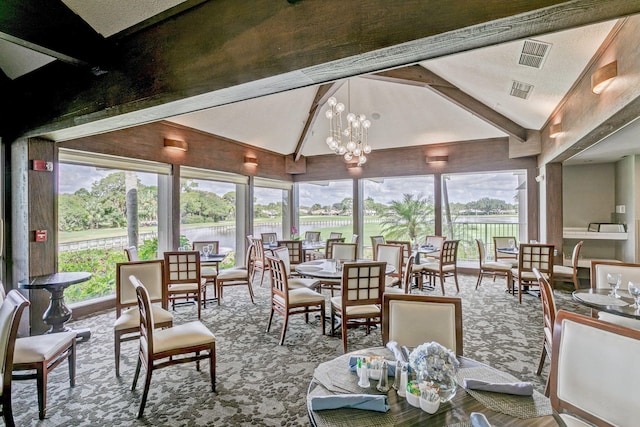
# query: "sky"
x,y
462,188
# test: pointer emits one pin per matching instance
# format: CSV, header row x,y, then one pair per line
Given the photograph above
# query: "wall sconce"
x,y
250,161
353,166
174,144
437,159
555,130
603,76
539,178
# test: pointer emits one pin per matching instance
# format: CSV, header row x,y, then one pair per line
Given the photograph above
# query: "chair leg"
x,y
455,279
543,356
442,284
145,393
270,319
199,302
344,335
546,387
72,364
41,380
333,322
7,411
212,366
250,292
322,307
576,282
479,279
285,322
520,291
220,286
136,374
116,346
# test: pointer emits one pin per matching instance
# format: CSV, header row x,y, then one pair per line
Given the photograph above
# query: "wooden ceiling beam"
x,y
227,51
417,75
322,95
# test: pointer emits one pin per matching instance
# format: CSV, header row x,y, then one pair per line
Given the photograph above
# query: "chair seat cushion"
x,y
185,335
416,268
562,270
390,281
498,266
619,320
527,276
131,318
208,272
184,287
435,267
298,282
356,310
233,273
39,348
571,421
301,296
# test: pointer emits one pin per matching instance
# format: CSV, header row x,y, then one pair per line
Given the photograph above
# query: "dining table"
x,y
328,270
337,378
600,300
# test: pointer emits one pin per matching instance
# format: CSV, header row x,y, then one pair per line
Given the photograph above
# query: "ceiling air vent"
x,y
534,53
520,90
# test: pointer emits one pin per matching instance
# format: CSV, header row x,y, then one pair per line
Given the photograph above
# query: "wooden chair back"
x,y
198,245
408,274
312,236
600,269
590,356
354,239
334,235
279,281
375,241
10,313
344,251
149,272
440,320
481,251
392,255
295,252
449,252
435,241
146,320
328,251
362,283
182,267
406,248
132,253
269,237
283,254
548,303
503,242
536,255
575,256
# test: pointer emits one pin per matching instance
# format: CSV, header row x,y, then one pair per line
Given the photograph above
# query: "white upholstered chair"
x,y
592,372
563,273
392,255
492,268
294,282
160,348
503,242
444,266
548,320
415,319
629,272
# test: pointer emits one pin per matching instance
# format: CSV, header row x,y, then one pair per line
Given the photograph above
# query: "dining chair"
x,y
269,237
445,266
294,281
375,241
548,321
629,272
238,276
504,242
362,287
436,242
258,257
10,314
341,252
408,275
159,348
354,239
530,256
208,270
312,236
182,276
491,268
295,253
392,255
127,324
328,250
592,379
334,235
440,320
132,253
288,301
563,273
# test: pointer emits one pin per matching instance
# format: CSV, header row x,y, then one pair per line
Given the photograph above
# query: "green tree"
x,y
407,218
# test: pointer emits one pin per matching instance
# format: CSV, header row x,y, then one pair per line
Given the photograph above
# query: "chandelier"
x,y
354,145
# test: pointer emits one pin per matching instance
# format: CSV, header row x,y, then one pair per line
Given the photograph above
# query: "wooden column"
x,y
33,207
553,201
437,205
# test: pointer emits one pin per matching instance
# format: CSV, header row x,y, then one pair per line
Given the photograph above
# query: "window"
x,y
397,208
326,206
103,208
271,207
483,205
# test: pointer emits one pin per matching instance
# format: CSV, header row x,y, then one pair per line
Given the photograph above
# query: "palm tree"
x,y
408,217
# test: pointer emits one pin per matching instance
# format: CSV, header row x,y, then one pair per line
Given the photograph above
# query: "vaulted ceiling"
x,y
499,89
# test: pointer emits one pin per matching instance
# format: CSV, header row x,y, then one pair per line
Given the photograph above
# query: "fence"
x,y
115,242
467,233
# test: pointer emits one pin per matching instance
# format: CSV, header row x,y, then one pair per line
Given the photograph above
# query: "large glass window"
x,y
326,206
398,209
101,211
481,206
271,207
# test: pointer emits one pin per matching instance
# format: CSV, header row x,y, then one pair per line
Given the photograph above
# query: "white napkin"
x,y
519,388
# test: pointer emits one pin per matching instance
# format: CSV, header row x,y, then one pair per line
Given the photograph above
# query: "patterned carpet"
x,y
260,383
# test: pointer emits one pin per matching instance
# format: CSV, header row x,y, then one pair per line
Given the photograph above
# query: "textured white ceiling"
x,y
109,17
16,60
